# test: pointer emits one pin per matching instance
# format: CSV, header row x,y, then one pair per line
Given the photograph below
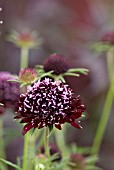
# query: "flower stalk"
x,y
2,146
23,64
60,139
24,166
24,58
46,142
107,106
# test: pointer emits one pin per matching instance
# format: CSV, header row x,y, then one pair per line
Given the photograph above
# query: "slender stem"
x,y
24,58
60,139
23,64
1,138
60,136
24,166
46,142
107,106
2,145
103,123
110,63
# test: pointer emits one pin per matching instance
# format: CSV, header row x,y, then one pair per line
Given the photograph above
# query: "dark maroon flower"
x,y
53,150
49,103
78,161
108,38
56,63
9,91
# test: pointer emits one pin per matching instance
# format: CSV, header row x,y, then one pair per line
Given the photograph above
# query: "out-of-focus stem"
x,y
24,166
107,106
23,64
24,58
60,139
46,142
103,122
2,145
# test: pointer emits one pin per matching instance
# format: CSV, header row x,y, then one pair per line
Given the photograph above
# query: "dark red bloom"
x,y
108,38
57,63
9,91
49,103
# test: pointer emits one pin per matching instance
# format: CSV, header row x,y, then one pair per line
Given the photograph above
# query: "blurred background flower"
x,y
9,91
67,27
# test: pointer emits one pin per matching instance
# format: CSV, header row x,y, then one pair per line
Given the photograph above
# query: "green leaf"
x,y
39,66
100,47
23,84
92,167
46,74
53,157
70,74
92,159
10,164
62,79
83,150
15,76
43,75
13,80
78,70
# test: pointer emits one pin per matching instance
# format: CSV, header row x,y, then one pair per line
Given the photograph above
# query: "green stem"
x,y
60,139
107,106
24,64
110,63
24,166
46,142
2,145
24,58
1,139
103,123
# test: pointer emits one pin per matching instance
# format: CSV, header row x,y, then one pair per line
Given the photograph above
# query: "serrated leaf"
x,y
10,164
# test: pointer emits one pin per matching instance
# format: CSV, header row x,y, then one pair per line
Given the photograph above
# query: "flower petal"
x,y
27,127
25,120
74,124
58,126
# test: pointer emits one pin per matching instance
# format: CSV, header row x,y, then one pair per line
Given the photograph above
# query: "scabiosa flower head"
x,y
27,75
49,103
25,39
57,63
9,91
78,161
108,38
